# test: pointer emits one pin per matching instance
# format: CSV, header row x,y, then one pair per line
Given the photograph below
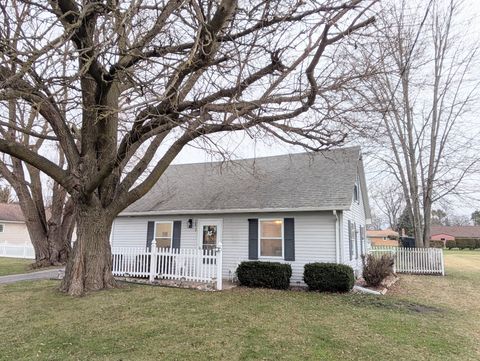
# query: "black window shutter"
x,y
350,245
150,233
362,241
289,238
253,238
177,233
355,232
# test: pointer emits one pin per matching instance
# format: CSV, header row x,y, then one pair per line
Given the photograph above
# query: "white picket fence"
x,y
189,264
17,250
414,260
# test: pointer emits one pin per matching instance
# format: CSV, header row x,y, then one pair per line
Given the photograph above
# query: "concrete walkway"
x,y
39,275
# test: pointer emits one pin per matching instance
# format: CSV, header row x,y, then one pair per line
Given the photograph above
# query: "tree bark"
x,y
90,265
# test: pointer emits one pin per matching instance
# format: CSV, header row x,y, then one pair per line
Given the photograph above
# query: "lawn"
x,y
9,266
424,318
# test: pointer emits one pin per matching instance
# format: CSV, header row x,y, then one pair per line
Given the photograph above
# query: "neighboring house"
x,y
297,208
385,237
12,224
447,233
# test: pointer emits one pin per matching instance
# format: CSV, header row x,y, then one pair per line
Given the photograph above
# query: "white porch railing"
x,y
414,260
17,250
189,264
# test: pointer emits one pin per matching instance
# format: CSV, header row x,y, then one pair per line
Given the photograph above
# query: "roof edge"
x,y
230,211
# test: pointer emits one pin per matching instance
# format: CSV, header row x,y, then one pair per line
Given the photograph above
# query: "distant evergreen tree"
x,y
476,218
405,223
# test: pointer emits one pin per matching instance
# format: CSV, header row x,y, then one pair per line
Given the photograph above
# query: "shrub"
x,y
376,269
264,274
463,243
437,243
477,243
328,277
450,243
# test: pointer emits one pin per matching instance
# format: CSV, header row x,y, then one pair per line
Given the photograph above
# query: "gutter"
x,y
226,211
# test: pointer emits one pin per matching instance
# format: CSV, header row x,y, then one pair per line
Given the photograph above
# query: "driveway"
x,y
39,275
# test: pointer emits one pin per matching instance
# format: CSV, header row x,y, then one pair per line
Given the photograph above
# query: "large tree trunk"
x,y
90,265
50,249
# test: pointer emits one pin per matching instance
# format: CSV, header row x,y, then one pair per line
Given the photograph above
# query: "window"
x,y
271,238
209,236
2,226
355,193
163,234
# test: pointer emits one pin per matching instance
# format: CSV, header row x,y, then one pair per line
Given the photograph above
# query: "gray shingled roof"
x,y
306,181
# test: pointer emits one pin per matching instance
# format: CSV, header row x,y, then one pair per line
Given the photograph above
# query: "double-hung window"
x,y
271,238
163,234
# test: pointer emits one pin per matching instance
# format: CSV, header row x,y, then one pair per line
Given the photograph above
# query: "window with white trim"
x,y
2,226
163,234
271,237
355,192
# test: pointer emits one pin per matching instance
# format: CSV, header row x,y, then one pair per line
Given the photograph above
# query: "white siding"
x,y
314,237
356,214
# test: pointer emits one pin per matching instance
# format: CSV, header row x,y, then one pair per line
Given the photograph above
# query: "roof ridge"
x,y
313,153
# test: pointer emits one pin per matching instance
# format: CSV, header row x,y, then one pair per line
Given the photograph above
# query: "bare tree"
x,y
146,78
422,95
389,200
6,194
50,226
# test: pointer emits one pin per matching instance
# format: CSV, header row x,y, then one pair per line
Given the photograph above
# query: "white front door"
x,y
209,233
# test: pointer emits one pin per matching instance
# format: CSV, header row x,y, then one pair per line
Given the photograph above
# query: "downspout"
x,y
337,237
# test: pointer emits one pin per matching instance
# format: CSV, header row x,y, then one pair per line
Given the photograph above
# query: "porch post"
x,y
219,267
153,260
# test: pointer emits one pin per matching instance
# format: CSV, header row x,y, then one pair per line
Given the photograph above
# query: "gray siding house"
x,y
298,208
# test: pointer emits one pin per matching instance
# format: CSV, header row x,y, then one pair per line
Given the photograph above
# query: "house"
x,y
13,229
447,233
387,237
297,208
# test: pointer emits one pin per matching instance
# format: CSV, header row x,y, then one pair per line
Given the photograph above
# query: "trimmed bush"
x,y
450,243
264,274
376,269
463,243
437,243
328,277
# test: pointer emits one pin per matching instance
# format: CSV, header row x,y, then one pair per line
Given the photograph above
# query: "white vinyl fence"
x,y
17,250
414,260
189,264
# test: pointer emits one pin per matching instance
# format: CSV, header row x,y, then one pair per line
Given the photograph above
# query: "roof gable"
x,y
305,181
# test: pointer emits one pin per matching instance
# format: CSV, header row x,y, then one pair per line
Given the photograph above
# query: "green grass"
x,y
9,266
423,318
